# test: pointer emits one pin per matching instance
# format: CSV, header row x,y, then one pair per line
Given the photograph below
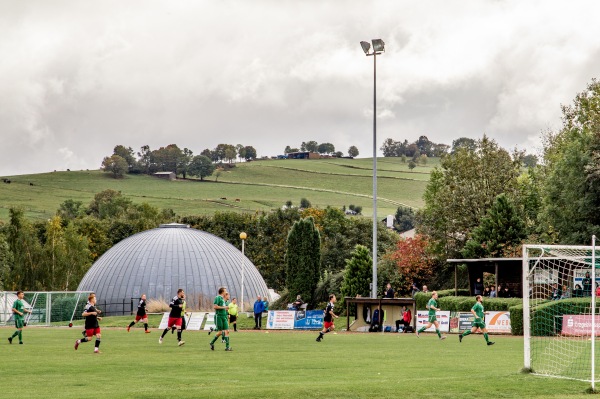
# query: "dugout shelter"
x,y
507,272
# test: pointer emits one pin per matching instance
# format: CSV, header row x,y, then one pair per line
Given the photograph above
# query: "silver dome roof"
x,y
159,261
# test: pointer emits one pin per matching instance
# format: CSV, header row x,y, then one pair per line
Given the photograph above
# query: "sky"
x,y
78,77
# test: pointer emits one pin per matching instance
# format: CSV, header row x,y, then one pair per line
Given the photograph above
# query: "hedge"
x,y
447,301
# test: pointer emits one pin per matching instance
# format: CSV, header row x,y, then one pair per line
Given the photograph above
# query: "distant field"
x,y
258,185
274,365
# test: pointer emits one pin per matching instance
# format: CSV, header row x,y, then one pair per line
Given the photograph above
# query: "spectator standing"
x,y
425,290
298,303
265,304
259,306
597,290
478,287
507,293
578,291
565,292
587,284
493,293
414,289
389,292
486,291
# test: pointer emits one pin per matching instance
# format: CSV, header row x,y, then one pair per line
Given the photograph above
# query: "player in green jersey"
x,y
432,320
221,325
19,311
478,322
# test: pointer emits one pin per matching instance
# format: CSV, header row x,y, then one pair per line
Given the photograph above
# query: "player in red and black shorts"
x,y
328,318
176,306
91,323
141,314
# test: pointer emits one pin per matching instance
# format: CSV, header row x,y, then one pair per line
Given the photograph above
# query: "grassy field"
x,y
249,187
273,365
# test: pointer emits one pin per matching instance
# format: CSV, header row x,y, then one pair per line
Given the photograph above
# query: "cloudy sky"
x,y
79,77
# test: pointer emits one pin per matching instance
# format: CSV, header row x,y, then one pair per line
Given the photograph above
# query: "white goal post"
x,y
559,310
47,307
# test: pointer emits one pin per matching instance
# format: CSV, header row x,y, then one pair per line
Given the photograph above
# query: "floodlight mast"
x,y
378,48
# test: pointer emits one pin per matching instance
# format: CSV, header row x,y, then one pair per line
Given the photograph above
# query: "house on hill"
x,y
165,175
303,155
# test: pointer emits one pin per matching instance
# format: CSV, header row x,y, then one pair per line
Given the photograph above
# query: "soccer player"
x,y
328,318
176,306
478,323
91,323
142,314
432,320
19,311
221,326
233,313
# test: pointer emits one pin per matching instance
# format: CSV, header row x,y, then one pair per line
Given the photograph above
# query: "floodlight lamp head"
x,y
378,46
366,46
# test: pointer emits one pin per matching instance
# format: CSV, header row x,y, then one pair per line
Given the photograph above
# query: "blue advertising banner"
x,y
309,320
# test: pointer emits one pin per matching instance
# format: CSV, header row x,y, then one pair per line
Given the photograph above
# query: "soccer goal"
x,y
559,310
47,308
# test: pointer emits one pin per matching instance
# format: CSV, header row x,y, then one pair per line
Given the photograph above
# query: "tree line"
x,y
483,201
323,148
173,159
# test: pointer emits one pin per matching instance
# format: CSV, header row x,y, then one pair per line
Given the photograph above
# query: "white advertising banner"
x,y
194,321
210,321
281,319
164,321
498,322
443,317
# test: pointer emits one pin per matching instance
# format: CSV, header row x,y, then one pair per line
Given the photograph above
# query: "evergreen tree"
x,y
303,259
499,232
358,273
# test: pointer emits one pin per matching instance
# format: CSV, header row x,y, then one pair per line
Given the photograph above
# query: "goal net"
x,y
560,316
47,308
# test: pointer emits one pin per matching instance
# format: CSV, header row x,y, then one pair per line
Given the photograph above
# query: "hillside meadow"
x,y
248,187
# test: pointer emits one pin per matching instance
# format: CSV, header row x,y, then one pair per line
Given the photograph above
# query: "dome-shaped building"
x,y
159,261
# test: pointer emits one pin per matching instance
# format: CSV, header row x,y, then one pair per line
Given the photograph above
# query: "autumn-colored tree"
x,y
412,260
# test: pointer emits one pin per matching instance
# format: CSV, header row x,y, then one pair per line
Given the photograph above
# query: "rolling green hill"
x,y
249,187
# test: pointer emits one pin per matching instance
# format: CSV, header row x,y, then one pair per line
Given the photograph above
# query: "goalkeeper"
x,y
478,322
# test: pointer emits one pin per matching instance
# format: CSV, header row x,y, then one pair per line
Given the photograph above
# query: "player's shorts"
x,y
19,323
232,318
431,319
138,318
221,323
174,321
478,323
90,332
328,324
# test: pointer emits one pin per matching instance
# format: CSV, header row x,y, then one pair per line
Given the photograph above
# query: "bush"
x,y
63,306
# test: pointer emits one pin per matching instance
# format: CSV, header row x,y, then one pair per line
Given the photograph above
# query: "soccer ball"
x,y
70,325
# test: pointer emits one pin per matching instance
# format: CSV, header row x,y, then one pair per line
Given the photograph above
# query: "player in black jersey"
x,y
91,323
142,314
176,306
328,318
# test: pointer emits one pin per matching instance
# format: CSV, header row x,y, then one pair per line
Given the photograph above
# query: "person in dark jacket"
x,y
478,287
259,307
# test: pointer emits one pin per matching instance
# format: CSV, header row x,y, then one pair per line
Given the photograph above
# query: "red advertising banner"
x,y
579,324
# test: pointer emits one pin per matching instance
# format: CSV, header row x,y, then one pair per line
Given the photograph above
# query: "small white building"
x,y
166,175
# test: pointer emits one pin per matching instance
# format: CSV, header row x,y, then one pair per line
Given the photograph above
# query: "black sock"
x,y
132,324
178,335
97,344
165,332
146,326
84,339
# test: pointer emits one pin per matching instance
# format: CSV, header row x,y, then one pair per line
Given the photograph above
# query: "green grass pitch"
x,y
279,364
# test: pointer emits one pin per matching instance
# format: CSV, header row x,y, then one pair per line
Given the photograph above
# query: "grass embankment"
x,y
249,187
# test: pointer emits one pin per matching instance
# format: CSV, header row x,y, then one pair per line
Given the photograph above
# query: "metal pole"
x,y
593,313
374,290
242,299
